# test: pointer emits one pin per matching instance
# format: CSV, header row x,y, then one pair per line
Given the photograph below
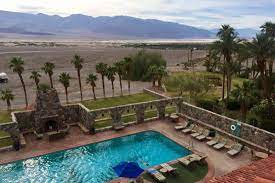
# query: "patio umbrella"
x,y
128,169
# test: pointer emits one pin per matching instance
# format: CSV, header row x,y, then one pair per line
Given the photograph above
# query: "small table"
x,y
163,170
261,155
174,118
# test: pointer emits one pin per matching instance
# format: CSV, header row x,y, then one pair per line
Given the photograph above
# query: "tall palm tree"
x,y
262,49
17,66
48,69
120,70
91,79
77,62
161,73
244,95
64,79
101,68
127,66
111,75
8,96
227,46
154,74
35,76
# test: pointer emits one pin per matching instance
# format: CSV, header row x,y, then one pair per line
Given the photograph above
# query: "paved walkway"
x,y
221,162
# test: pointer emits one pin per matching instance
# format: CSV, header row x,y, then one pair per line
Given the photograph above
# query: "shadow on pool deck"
x,y
222,163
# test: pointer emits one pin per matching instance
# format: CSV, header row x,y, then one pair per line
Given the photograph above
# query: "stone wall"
x,y
13,130
247,132
71,113
25,121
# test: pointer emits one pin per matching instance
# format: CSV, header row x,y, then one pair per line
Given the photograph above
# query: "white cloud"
x,y
202,13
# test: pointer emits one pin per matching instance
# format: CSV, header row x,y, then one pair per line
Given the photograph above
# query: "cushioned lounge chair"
x,y
221,144
168,168
189,129
181,126
235,149
156,175
198,132
199,157
214,141
204,134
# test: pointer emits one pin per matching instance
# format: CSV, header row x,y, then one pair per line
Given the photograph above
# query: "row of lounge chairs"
x,y
159,176
217,142
187,160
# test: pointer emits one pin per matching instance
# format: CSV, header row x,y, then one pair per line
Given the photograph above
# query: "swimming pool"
x,y
93,163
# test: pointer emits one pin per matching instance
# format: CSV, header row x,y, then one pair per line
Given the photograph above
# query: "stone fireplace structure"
x,y
48,113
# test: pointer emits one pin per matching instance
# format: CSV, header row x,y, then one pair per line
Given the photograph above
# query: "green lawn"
x,y
116,101
5,116
5,142
184,175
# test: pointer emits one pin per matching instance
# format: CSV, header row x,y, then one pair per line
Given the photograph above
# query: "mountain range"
x,y
100,27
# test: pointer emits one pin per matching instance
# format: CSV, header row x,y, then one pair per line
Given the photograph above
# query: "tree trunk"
x,y
66,93
24,89
37,85
154,83
223,81
79,82
120,84
113,88
51,80
129,86
103,85
93,88
8,105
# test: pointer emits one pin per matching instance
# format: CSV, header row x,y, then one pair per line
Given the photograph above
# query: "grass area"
x,y
184,175
116,101
5,142
5,116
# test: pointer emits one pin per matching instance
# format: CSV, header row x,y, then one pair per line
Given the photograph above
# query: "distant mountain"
x,y
247,33
77,24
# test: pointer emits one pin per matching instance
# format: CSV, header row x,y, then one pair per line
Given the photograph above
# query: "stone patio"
x,y
219,161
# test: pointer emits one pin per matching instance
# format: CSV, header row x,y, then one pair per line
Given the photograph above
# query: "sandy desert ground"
x,y
36,56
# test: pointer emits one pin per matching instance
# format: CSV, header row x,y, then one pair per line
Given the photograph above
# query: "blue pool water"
x,y
93,163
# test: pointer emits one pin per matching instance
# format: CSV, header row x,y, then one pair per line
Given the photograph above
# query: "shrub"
x,y
208,104
233,104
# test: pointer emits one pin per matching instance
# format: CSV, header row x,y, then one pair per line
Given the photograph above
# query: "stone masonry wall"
x,y
25,119
249,133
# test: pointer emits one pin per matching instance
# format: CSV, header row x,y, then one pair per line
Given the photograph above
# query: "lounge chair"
x,y
199,157
156,175
235,149
198,132
221,144
204,134
214,141
188,129
168,167
187,160
181,126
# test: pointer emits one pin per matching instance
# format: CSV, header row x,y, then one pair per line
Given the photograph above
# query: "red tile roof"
x,y
262,171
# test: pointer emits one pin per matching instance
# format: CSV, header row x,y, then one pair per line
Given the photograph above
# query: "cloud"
x,y
200,13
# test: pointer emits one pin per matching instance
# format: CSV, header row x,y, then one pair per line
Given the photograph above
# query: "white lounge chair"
x,y
198,132
181,126
188,129
221,144
156,175
204,134
235,149
168,167
214,141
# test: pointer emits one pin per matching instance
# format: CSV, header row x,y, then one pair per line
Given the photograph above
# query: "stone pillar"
x,y
116,117
140,110
161,109
179,105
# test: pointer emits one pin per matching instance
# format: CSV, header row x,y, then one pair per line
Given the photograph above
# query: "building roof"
x,y
262,171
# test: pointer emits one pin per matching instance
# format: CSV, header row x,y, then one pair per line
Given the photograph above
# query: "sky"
x,y
206,14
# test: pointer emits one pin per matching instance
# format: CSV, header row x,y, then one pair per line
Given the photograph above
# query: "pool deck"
x,y
220,162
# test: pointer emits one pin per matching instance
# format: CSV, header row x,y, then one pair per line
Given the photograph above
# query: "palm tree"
x,y
111,73
120,70
64,79
7,95
35,75
153,72
244,95
17,66
101,68
227,45
77,62
161,73
91,79
48,69
262,49
127,66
